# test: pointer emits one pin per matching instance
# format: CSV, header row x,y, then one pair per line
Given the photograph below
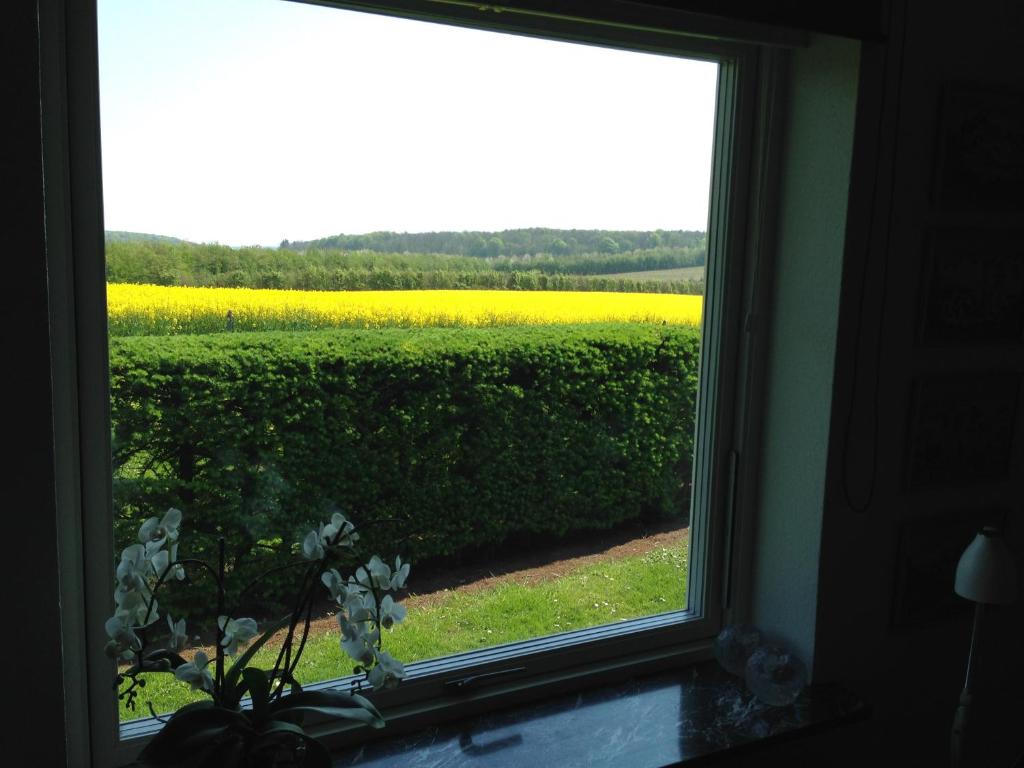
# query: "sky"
x,y
248,122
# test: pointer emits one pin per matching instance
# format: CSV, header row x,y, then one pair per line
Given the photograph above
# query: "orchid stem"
x,y
219,682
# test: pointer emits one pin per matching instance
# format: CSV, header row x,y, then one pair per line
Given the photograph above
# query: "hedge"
x,y
435,441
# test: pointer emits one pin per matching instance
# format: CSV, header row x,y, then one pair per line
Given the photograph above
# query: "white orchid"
x,y
179,637
161,561
138,606
360,606
235,631
391,613
356,642
164,561
132,570
375,575
312,546
339,532
196,674
378,575
400,575
154,533
145,567
387,672
335,585
123,641
177,569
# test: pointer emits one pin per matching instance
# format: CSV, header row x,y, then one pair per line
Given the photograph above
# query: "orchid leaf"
x,y
367,717
259,690
349,706
282,727
230,694
205,704
190,734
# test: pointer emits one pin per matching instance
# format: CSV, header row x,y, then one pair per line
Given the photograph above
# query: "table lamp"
x,y
985,575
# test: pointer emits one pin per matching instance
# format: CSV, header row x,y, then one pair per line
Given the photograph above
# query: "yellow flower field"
x,y
150,309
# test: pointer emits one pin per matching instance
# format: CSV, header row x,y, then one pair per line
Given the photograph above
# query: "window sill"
x,y
672,718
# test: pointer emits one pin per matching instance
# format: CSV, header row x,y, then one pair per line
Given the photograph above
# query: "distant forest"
x,y
137,258
116,236
509,242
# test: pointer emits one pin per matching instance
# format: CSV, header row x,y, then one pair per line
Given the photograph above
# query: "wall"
x,y
815,173
876,629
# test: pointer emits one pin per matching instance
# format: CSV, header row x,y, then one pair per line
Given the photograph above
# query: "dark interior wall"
x,y
31,596
902,501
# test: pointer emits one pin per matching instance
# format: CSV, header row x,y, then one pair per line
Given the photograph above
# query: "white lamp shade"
x,y
986,573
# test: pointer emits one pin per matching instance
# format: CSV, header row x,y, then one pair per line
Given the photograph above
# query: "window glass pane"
x,y
447,282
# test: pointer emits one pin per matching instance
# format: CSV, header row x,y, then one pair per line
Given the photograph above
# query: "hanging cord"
x,y
875,401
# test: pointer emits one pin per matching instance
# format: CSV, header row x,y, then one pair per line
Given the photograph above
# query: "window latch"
x,y
475,681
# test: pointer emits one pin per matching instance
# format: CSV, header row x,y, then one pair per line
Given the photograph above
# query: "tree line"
x,y
509,242
164,262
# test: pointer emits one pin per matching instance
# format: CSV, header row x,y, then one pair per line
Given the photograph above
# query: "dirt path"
x,y
555,564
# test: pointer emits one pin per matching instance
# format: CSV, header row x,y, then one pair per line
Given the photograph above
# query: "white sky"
x,y
251,121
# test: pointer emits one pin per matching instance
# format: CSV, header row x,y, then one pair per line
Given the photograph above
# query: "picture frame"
x,y
962,428
972,288
980,149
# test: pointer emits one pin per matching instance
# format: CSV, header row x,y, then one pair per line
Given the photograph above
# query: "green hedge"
x,y
435,441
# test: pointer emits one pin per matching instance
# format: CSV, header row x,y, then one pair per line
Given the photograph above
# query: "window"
x,y
547,660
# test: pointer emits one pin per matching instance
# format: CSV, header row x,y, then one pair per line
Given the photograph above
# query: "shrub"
x,y
447,439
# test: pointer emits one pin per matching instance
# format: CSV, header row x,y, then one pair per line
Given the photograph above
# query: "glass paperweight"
x,y
775,676
734,645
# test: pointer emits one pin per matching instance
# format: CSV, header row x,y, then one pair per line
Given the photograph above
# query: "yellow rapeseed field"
x,y
151,309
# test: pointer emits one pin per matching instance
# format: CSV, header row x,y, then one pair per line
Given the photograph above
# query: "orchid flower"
x,y
164,560
387,672
357,643
339,532
378,575
391,613
133,568
335,585
137,606
146,566
154,533
179,638
196,674
400,575
123,641
312,547
235,631
360,606
177,569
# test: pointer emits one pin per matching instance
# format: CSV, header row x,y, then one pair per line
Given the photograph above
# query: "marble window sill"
x,y
669,719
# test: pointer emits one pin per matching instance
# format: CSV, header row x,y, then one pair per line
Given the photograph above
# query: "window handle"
x,y
475,681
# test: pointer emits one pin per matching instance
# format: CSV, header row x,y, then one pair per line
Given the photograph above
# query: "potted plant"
x,y
253,716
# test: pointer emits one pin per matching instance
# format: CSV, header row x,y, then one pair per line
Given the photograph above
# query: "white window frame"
x,y
739,228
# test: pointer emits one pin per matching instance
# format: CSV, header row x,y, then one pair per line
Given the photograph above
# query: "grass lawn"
x,y
455,621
